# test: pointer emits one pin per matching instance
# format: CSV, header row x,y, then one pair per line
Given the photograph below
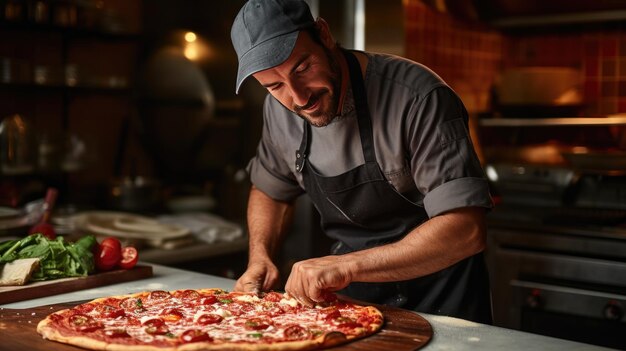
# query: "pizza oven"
x,y
557,235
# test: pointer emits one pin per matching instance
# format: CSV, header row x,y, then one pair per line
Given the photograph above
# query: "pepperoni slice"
x,y
159,295
188,294
84,323
209,318
108,311
194,335
296,332
256,324
84,308
208,300
172,314
155,326
237,309
132,304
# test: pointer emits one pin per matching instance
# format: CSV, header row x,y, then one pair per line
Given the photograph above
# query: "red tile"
x,y
592,67
609,46
592,89
621,105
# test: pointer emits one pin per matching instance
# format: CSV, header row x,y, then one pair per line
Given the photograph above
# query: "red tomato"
x,y
107,258
129,257
113,242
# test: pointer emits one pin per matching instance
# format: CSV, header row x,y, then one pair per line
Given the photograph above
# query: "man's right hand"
x,y
259,276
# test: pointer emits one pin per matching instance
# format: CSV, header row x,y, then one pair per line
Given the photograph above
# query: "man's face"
x,y
308,83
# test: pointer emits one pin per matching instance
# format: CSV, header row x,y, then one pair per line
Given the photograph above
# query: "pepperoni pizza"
x,y
209,319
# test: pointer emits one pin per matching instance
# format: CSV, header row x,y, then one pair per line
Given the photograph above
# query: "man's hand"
x,y
259,276
311,280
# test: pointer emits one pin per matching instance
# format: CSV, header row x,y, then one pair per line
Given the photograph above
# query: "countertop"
x,y
449,333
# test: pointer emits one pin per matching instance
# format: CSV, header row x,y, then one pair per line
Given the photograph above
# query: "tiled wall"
x,y
466,55
469,56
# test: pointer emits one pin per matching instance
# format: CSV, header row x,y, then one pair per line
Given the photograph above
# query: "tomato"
x,y
106,258
193,335
113,242
129,257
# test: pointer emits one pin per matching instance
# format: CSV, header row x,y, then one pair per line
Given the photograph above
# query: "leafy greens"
x,y
58,258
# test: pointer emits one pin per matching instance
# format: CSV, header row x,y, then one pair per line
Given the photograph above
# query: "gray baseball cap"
x,y
265,32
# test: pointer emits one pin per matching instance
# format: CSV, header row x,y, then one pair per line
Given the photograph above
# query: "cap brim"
x,y
268,54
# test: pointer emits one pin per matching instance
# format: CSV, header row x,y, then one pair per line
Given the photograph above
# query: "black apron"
x,y
360,209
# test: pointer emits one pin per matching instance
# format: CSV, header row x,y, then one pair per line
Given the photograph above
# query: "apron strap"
x,y
362,109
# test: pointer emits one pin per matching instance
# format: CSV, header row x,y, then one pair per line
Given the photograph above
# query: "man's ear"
x,y
324,31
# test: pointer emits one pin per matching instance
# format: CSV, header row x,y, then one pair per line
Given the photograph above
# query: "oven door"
x,y
554,285
578,314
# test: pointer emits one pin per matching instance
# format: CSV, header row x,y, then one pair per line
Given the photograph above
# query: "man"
x,y
380,145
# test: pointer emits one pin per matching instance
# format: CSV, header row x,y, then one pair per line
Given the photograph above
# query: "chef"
x,y
381,146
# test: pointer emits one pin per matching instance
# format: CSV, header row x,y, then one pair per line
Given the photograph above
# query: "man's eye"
x,y
303,67
275,87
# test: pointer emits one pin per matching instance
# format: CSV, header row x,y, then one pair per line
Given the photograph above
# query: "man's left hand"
x,y
311,280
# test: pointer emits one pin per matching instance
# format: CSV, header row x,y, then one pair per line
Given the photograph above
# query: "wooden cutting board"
x,y
403,331
34,290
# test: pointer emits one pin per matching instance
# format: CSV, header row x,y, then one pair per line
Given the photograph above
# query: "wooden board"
x,y
34,290
403,331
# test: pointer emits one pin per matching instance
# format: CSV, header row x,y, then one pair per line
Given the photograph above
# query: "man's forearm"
x,y
268,220
436,244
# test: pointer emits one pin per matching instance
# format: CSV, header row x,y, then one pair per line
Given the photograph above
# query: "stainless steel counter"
x,y
449,333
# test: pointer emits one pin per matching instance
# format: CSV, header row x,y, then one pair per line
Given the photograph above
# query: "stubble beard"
x,y
323,117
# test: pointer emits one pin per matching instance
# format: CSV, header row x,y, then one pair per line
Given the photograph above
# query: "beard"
x,y
329,97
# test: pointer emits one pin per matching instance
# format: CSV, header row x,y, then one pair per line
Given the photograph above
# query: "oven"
x,y
558,267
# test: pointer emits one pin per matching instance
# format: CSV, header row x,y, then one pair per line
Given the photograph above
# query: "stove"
x,y
557,252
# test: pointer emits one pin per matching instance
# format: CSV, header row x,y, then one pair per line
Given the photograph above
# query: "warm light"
x,y
190,37
191,51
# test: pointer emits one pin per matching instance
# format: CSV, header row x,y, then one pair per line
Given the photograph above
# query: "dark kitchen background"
x,y
129,106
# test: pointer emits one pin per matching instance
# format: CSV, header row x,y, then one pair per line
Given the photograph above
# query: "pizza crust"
x,y
48,330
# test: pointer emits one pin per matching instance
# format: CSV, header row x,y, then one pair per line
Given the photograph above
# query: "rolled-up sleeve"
x,y
444,165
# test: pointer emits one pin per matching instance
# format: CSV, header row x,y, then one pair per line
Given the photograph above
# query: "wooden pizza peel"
x,y
403,331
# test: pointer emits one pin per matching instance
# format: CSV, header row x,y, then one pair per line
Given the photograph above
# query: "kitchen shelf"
x,y
35,88
553,122
69,32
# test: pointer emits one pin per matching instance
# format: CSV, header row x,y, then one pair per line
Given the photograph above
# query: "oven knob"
x,y
534,300
613,311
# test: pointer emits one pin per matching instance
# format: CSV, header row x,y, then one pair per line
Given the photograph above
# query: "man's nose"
x,y
299,94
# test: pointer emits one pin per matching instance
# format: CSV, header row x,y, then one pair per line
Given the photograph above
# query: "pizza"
x,y
209,319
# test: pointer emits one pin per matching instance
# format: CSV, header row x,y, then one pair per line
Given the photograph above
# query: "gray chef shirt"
x,y
420,136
